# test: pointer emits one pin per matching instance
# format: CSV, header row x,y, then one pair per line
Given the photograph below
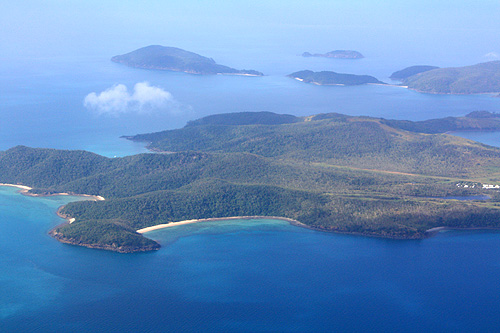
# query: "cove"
x,y
247,275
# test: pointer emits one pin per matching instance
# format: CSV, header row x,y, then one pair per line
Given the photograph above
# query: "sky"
x,y
55,28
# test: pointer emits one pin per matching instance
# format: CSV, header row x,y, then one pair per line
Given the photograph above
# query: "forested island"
x,y
337,54
159,57
410,71
332,172
333,78
476,79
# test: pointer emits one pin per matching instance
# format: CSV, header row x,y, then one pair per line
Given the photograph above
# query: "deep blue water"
x,y
249,275
229,276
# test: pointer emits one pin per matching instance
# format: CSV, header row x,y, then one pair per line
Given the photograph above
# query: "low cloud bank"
x,y
143,99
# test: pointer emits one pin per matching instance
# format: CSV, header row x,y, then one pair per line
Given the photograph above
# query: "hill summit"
x,y
168,58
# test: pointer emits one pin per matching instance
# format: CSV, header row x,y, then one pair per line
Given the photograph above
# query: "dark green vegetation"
x,y
476,79
245,118
337,54
474,121
174,59
410,71
330,171
332,78
336,139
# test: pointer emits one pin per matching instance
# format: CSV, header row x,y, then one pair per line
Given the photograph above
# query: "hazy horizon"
x,y
55,54
460,33
59,89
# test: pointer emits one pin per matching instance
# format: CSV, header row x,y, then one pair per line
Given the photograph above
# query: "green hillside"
x,y
476,79
410,71
330,171
360,142
474,121
174,59
332,78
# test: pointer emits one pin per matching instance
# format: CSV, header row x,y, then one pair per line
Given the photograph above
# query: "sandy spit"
x,y
25,190
173,224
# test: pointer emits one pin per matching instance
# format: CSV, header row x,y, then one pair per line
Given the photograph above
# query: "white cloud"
x,y
492,56
143,99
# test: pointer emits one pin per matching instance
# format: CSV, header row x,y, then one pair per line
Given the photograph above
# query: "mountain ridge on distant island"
x,y
336,54
474,121
167,58
476,79
333,78
410,71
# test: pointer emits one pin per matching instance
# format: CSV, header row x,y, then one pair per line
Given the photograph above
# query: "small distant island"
x,y
477,79
410,71
331,172
337,54
333,78
166,58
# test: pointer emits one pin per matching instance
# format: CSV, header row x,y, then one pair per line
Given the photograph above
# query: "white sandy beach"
x,y
173,224
22,187
25,189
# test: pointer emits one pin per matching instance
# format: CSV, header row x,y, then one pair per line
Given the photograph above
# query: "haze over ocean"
x,y
233,277
53,54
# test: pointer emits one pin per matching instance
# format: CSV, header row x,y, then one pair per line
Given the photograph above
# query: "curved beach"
x,y
22,187
174,224
25,190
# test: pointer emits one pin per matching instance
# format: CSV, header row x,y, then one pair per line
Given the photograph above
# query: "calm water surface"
x,y
42,100
228,276
247,275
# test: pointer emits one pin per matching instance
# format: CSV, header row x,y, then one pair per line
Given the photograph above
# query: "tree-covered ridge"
x,y
360,142
410,71
245,118
333,78
174,59
476,79
330,171
474,121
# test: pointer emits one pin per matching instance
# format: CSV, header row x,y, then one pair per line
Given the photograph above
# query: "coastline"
x,y
433,231
492,94
22,187
426,234
24,190
174,224
68,220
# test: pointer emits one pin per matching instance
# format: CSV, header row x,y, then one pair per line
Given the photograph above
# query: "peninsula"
x,y
337,54
333,78
166,58
476,79
331,172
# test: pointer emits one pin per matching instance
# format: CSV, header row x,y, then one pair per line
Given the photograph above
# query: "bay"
x,y
491,138
258,275
243,275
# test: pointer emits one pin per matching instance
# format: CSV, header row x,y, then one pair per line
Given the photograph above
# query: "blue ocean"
x,y
243,275
257,275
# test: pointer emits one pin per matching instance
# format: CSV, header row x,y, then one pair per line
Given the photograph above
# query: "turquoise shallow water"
x,y
248,275
231,276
